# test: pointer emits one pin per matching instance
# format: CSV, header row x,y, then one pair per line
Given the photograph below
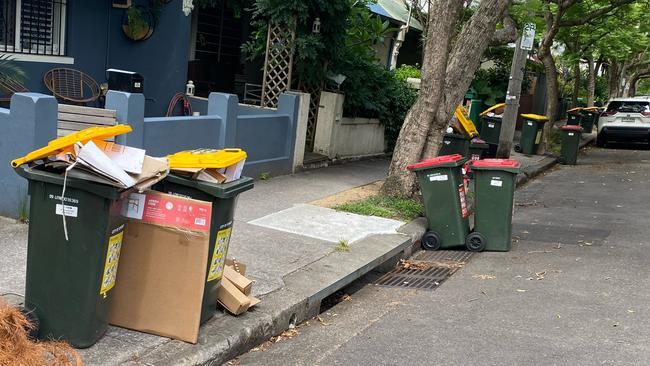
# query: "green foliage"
x,y
9,70
265,176
384,206
408,71
644,87
342,246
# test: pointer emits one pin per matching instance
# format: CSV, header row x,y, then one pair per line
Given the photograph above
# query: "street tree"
x,y
452,54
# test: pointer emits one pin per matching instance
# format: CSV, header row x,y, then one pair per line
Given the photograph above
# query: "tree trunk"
x,y
613,78
591,81
576,84
446,76
443,19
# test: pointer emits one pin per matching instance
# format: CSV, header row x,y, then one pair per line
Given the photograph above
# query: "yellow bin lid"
x,y
468,125
57,145
535,117
576,109
494,107
206,158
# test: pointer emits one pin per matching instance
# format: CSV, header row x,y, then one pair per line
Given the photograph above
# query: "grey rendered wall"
x,y
29,125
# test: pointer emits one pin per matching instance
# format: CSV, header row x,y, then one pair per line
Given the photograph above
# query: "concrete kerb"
x,y
225,337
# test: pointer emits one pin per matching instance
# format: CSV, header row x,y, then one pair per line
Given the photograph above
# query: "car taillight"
x,y
645,114
607,114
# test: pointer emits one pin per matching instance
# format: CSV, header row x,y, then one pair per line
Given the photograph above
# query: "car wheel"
x,y
601,141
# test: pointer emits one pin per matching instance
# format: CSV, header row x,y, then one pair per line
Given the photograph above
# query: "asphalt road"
x,y
573,291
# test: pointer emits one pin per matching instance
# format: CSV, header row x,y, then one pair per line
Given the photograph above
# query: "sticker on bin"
x,y
112,260
530,123
571,133
70,211
491,125
463,201
167,210
496,182
219,256
438,178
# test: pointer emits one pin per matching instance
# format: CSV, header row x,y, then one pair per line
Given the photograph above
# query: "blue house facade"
x,y
87,35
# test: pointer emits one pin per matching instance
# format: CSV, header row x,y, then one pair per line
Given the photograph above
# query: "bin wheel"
x,y
475,242
518,148
31,317
431,241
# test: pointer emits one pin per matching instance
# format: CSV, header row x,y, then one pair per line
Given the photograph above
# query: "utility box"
x,y
125,81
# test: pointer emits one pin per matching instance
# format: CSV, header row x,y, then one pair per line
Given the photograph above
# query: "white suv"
x,y
625,120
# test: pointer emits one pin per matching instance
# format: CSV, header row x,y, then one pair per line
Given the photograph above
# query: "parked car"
x,y
625,120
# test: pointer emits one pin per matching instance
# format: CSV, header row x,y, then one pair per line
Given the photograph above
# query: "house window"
x,y
34,27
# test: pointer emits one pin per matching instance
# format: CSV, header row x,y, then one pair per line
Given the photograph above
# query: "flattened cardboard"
x,y
231,298
242,283
160,281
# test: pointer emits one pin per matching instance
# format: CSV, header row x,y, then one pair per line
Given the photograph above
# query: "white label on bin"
x,y
530,123
496,183
438,178
571,133
491,125
70,211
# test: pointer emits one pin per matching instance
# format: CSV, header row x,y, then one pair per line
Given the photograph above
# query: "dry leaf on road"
x,y
484,277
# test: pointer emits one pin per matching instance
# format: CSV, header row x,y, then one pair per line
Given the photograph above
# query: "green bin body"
x,y
454,144
570,144
588,120
224,200
494,183
68,283
475,111
531,136
491,129
443,192
477,150
573,118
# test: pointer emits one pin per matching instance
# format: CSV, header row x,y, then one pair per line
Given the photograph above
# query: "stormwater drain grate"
x,y
425,270
442,255
414,278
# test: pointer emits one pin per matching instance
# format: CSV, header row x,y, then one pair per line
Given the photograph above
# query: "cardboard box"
x,y
162,267
242,283
233,299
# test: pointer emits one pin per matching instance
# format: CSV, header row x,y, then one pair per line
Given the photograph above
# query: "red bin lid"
x,y
571,128
499,164
440,160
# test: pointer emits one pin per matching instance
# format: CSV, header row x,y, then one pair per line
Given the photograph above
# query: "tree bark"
x,y
446,76
576,84
443,19
613,78
591,81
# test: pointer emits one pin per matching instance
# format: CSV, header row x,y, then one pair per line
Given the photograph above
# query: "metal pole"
x,y
512,101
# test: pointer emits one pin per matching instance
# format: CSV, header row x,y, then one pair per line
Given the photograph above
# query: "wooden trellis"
x,y
278,63
314,107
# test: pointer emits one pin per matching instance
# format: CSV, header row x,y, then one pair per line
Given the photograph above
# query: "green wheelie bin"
x,y
224,201
494,182
443,192
574,116
68,282
531,133
589,118
453,143
570,144
477,149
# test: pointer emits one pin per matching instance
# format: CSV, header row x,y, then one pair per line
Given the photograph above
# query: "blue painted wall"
x,y
95,40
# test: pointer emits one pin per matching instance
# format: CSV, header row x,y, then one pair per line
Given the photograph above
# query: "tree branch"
x,y
506,34
595,14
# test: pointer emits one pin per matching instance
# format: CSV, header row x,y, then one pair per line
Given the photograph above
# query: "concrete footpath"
x,y
288,246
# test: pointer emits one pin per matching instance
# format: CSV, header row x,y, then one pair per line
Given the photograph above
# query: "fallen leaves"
x,y
484,277
287,334
424,265
322,321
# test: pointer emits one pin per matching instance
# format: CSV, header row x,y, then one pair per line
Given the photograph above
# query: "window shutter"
x,y
36,26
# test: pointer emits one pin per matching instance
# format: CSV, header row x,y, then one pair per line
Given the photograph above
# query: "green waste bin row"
x,y
446,206
472,148
68,282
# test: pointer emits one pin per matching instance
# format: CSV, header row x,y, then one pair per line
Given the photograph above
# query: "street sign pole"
x,y
524,44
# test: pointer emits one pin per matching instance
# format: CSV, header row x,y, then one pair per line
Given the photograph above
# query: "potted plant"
x,y
138,23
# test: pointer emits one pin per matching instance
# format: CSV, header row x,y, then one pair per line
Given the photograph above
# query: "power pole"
x,y
524,44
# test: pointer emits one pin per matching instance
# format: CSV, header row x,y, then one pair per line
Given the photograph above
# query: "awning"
x,y
396,10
